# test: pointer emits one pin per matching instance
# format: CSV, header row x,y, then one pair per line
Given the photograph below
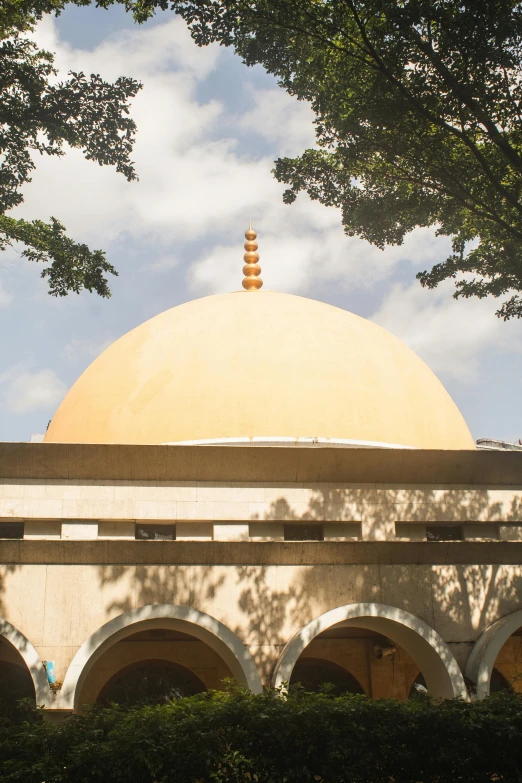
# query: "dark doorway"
x,y
15,683
313,673
150,682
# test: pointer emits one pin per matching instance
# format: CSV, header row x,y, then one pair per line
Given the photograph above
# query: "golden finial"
x,y
251,270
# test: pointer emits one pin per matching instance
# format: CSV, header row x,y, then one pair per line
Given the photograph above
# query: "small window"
x,y
11,529
304,532
155,532
410,531
444,533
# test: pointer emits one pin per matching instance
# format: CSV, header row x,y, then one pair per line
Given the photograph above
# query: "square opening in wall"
x,y
444,533
11,529
304,532
155,532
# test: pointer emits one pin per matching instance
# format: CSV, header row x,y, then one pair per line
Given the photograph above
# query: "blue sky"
x,y
209,130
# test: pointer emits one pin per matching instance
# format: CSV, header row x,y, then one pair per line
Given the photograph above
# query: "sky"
x,y
209,130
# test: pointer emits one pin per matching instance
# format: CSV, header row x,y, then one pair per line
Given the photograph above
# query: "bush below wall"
x,y
236,736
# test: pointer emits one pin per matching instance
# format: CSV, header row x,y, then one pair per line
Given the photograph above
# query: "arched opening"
x,y
377,666
499,683
313,674
507,672
22,674
495,663
165,632
152,667
381,646
15,684
150,682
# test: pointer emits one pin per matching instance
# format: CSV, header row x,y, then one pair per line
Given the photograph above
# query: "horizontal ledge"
x,y
260,553
48,461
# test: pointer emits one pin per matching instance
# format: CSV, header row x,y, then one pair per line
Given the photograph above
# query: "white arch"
x,y
436,661
481,661
181,618
31,659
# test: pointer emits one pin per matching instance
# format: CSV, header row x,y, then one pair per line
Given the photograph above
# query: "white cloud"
x,y
86,349
172,157
23,391
280,118
304,244
195,184
192,184
450,335
148,49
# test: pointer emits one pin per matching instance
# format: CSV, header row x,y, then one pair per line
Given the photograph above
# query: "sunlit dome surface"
x,y
258,364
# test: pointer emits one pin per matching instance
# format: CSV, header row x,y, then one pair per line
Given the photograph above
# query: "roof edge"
x,y
295,464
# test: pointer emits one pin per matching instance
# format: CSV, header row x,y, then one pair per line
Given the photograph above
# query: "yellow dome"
x,y
259,364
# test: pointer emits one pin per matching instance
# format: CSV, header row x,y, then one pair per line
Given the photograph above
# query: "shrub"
x,y
236,736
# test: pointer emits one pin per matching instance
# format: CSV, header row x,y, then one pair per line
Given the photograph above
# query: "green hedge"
x,y
235,736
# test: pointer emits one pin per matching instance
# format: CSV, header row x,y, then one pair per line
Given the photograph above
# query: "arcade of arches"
x,y
160,664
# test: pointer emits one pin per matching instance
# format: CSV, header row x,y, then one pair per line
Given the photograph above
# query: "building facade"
x,y
260,487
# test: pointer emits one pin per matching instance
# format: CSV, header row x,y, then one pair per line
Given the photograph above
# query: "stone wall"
x,y
78,566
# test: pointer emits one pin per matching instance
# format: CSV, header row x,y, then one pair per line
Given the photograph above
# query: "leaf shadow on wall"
x,y
265,605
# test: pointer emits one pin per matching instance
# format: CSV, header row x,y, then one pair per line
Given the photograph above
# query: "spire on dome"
x,y
251,270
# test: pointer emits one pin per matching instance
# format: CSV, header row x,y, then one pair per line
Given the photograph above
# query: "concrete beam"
x,y
255,464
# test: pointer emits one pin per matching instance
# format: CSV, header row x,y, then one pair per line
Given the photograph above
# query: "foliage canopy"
x,y
418,108
39,115
237,736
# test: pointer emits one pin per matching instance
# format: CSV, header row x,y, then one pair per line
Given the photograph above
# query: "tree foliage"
x,y
39,116
418,108
236,736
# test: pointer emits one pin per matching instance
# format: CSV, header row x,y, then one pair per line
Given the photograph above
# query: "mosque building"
x,y
262,487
